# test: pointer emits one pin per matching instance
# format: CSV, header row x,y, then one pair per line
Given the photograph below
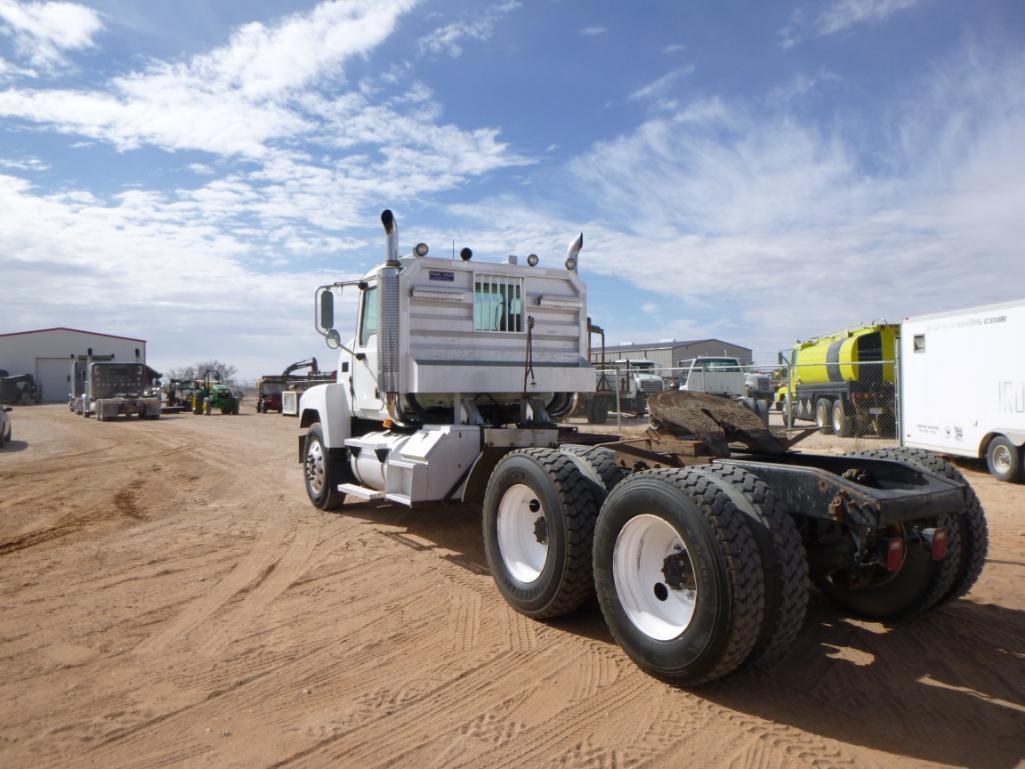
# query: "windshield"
x,y
271,388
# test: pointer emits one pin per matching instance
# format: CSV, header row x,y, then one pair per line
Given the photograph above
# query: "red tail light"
x,y
940,541
895,554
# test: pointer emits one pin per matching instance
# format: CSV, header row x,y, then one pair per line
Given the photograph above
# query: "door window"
x,y
370,318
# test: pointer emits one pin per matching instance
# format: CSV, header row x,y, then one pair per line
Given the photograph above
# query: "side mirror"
x,y
325,310
333,339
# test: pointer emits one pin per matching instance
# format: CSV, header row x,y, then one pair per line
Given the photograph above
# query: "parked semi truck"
x,y
636,381
698,538
110,389
963,385
844,382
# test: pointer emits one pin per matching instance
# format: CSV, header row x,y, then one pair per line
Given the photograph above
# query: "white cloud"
x,y
674,48
44,31
662,86
9,71
148,261
24,164
229,102
593,31
201,169
446,39
839,15
232,100
775,229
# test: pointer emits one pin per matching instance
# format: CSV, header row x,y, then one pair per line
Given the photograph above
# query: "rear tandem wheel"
x,y
539,514
678,576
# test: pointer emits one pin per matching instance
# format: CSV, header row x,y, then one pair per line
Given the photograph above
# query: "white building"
x,y
47,355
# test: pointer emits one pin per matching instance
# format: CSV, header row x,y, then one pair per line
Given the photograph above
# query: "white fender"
x,y
328,405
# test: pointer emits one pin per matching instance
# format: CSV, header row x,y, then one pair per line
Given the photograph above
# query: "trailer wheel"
x,y
1004,460
822,416
843,423
972,531
678,576
539,513
784,561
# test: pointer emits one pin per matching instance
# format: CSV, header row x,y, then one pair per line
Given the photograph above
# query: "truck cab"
x,y
450,359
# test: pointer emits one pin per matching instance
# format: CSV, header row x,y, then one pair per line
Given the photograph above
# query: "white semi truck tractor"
x,y
698,537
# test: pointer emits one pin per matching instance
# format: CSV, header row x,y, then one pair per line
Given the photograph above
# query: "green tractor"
x,y
211,393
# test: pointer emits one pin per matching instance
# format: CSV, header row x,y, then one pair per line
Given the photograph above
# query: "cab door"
x,y
367,395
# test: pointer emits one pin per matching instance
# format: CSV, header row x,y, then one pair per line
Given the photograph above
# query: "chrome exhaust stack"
x,y
573,253
391,230
388,328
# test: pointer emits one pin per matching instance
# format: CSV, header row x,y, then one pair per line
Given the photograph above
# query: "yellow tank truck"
x,y
844,382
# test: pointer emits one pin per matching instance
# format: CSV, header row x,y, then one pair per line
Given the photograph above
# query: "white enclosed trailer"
x,y
963,385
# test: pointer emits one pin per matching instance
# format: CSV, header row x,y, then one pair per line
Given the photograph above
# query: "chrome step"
x,y
360,491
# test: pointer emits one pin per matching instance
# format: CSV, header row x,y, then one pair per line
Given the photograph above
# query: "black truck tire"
x,y
320,474
601,460
678,576
782,553
598,410
972,530
539,514
762,409
1004,460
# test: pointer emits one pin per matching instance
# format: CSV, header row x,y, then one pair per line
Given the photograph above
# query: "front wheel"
x,y
678,576
320,474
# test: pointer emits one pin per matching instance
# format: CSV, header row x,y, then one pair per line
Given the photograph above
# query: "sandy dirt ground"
x,y
170,598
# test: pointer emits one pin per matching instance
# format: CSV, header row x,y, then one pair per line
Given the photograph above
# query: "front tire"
x,y
678,576
320,474
1004,460
539,514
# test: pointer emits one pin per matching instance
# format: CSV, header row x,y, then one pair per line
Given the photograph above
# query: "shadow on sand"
x,y
948,688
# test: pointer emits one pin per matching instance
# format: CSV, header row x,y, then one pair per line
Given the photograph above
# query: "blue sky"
x,y
759,172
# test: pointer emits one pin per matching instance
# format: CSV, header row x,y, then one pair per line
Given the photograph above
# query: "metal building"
x,y
669,354
47,354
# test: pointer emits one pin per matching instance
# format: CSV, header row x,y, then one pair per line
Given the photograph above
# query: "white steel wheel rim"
x,y
638,559
522,533
1002,459
315,466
